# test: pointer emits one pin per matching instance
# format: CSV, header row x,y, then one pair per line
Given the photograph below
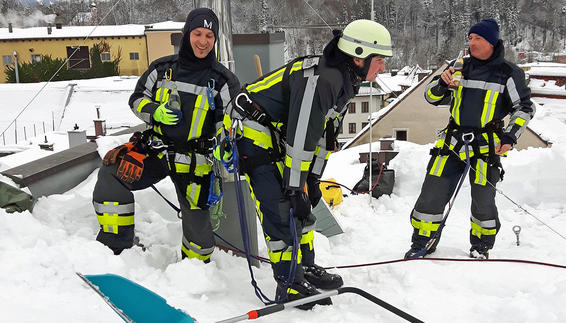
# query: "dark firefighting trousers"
x,y
439,186
114,206
273,210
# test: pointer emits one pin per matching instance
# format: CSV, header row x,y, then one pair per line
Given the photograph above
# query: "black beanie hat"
x,y
202,17
488,29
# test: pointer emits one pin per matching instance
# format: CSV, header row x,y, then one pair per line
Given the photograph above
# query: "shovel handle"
x,y
251,315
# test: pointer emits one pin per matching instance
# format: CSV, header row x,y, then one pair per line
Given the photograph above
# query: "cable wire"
x,y
507,197
319,16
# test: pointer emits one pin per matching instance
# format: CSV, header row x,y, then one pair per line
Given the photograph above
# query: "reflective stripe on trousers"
x,y
112,215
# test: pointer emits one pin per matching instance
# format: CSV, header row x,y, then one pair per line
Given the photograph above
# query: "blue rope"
x,y
244,226
294,254
430,243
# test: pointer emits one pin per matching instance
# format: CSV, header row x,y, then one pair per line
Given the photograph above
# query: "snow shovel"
x,y
251,315
133,302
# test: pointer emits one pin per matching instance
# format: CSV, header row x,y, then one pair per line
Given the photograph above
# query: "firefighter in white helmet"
x,y
290,119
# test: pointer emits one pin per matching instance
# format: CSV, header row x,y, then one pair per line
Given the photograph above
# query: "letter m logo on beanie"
x,y
207,24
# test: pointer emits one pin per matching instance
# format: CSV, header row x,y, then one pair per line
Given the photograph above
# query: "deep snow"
x,y
41,251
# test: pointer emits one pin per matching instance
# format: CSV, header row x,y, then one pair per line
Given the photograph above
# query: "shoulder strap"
x,y
287,72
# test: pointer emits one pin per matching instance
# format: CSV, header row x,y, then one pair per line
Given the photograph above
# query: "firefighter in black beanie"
x,y
182,99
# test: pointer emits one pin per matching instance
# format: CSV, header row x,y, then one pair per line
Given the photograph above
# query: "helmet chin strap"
x,y
362,72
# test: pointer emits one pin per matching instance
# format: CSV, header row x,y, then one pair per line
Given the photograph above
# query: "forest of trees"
x,y
424,32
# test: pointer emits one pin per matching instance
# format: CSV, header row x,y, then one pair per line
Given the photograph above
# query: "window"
x,y
78,57
35,58
105,57
400,134
364,124
134,56
7,60
365,107
176,41
351,128
352,107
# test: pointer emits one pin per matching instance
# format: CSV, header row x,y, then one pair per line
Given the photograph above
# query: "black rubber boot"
x,y
412,253
298,290
320,278
479,252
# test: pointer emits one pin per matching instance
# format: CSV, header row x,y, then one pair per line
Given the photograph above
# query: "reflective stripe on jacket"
x,y
199,120
490,90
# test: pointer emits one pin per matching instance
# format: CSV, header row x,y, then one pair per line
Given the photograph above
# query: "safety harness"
x,y
203,145
252,111
453,130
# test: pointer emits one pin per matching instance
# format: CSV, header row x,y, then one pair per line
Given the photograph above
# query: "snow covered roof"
x,y
376,116
165,25
407,76
544,69
365,91
72,31
546,87
84,31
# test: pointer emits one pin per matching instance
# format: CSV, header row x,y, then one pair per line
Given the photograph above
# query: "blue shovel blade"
x,y
136,303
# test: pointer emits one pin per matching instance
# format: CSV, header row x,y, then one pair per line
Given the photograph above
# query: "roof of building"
x,y
365,90
376,116
544,69
546,88
407,76
165,26
379,115
84,31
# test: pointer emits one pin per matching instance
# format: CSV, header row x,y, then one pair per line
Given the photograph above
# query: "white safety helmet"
x,y
362,38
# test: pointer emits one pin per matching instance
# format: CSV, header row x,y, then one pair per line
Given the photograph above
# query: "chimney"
x,y
10,30
58,21
421,75
49,29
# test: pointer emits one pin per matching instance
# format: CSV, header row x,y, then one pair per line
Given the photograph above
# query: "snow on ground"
x,y
57,109
41,251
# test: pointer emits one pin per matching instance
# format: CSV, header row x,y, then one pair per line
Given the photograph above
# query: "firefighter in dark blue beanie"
x,y
488,29
491,88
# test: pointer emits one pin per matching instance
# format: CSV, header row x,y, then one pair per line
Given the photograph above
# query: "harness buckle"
x,y
468,137
157,144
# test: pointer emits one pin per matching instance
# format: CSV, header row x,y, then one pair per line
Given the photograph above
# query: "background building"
x,y
31,44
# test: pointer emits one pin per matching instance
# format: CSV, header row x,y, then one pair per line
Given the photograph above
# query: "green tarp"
x,y
13,199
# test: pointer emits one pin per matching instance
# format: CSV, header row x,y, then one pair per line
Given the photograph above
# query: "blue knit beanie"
x,y
488,29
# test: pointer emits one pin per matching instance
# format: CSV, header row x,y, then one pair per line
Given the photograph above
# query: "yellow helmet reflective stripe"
x,y
362,38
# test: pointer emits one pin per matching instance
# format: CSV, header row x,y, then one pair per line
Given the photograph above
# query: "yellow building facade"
x,y
163,39
30,44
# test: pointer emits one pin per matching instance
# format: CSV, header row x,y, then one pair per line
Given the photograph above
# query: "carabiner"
x,y
469,135
238,98
169,74
237,125
209,95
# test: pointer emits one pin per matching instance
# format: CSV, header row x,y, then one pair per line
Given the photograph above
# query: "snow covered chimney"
x,y
58,21
10,27
49,29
